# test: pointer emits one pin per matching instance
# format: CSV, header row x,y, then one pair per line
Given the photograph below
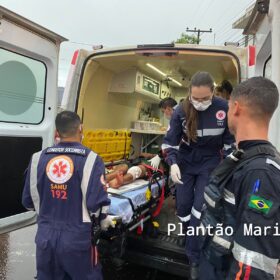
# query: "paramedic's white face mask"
x,y
201,106
201,97
167,112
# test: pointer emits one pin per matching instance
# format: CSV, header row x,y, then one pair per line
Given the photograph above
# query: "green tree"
x,y
187,39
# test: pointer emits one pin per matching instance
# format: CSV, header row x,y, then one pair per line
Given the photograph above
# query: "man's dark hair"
x,y
167,102
218,89
260,94
67,123
227,86
202,79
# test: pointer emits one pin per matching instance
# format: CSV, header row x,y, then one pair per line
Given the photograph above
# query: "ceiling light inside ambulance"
x,y
163,74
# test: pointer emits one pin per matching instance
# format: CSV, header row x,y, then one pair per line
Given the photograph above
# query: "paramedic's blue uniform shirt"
x,y
67,189
212,134
62,202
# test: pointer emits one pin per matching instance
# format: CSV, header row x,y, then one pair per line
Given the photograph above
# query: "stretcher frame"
x,y
143,212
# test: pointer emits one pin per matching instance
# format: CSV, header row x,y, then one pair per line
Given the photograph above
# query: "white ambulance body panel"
x,y
29,57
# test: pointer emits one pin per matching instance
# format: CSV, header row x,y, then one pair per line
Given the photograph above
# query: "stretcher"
x,y
138,201
136,207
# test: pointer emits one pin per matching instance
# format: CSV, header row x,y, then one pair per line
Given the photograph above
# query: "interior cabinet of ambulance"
x,y
147,132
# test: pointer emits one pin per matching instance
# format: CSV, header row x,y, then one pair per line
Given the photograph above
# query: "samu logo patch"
x,y
221,115
60,169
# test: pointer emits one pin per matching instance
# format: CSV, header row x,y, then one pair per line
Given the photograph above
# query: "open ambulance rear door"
x,y
28,105
73,80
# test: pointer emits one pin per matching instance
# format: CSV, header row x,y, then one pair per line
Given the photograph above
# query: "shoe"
x,y
194,272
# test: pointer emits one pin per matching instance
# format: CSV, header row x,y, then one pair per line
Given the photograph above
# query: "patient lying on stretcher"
x,y
122,175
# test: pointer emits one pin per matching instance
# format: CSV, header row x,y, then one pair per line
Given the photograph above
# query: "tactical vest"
x,y
214,213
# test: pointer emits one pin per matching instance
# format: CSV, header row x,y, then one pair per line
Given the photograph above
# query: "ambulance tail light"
x,y
74,58
252,55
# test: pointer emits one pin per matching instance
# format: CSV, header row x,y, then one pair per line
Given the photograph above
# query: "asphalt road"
x,y
17,260
133,272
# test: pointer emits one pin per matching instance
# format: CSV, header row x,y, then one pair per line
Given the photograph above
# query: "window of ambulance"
x,y
22,88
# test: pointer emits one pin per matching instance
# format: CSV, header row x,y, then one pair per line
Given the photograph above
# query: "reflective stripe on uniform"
x,y
222,242
209,200
196,213
166,146
254,259
184,219
210,132
199,133
213,131
229,197
84,185
272,162
33,181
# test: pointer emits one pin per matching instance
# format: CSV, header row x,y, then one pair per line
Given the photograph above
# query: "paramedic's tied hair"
x,y
67,123
202,79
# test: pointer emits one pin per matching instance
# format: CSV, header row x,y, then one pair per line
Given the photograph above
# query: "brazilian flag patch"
x,y
260,204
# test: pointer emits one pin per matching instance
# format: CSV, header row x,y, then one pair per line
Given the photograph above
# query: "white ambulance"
x,y
112,90
28,100
263,23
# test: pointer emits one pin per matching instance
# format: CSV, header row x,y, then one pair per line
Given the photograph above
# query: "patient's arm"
x,y
133,173
117,169
147,155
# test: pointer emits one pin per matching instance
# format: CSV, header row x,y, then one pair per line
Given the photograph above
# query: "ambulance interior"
x,y
120,91
113,93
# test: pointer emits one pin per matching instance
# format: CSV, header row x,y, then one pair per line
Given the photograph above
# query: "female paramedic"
x,y
198,132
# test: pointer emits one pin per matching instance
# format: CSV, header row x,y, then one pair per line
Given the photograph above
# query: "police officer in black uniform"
x,y
241,234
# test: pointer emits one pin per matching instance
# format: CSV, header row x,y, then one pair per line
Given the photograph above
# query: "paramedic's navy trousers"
x,y
195,174
56,259
189,201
